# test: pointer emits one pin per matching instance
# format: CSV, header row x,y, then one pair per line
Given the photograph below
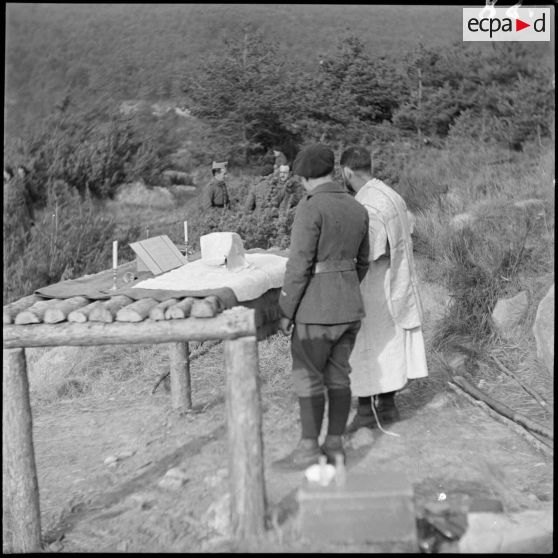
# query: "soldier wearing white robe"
x,y
389,348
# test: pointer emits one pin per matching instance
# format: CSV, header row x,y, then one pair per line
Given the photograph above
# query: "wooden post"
x,y
244,418
18,457
181,388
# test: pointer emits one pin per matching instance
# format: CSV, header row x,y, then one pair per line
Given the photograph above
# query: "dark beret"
x,y
314,161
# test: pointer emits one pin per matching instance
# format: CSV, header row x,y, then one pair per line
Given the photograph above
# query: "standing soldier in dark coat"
x,y
215,193
281,191
292,191
321,302
18,203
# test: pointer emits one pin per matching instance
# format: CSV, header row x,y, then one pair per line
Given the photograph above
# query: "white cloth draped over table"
x,y
262,272
389,348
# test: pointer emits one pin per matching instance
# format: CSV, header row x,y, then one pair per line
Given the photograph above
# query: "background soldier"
x,y
215,193
292,189
281,191
18,201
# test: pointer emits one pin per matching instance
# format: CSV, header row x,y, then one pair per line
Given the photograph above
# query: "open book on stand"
x,y
157,254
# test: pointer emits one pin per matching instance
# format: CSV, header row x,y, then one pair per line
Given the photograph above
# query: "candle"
x,y
185,232
115,254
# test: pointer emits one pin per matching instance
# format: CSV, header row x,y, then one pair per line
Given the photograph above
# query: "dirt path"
x,y
446,445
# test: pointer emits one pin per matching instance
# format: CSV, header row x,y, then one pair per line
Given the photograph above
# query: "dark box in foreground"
x,y
369,508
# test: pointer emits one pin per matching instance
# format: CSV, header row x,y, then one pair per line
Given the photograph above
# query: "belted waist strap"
x,y
330,266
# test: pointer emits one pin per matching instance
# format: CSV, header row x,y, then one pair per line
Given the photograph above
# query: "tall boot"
x,y
307,451
364,417
311,415
386,408
339,407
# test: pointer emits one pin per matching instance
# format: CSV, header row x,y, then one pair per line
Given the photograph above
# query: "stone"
x,y
110,460
56,546
217,478
439,401
125,454
543,330
509,313
362,437
218,515
529,532
142,500
173,479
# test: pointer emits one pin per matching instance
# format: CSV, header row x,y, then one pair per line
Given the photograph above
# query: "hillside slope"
x,y
126,51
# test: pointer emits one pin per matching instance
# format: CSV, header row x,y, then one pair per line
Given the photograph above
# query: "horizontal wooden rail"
x,y
231,324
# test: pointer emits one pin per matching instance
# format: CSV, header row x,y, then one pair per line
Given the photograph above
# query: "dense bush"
x,y
263,228
93,152
71,237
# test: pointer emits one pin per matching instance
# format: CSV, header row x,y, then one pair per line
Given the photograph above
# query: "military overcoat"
x,y
215,195
330,231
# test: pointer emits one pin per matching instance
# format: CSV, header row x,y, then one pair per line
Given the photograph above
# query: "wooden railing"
x,y
236,327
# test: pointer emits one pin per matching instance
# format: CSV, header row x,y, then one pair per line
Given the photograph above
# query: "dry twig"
x,y
538,444
529,390
502,409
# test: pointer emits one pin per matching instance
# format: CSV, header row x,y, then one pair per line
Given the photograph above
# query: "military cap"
x,y
284,168
314,161
216,166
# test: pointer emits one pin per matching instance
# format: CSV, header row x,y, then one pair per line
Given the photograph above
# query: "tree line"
x,y
251,99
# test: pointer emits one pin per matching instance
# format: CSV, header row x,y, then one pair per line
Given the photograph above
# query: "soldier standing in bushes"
x,y
18,202
389,348
280,191
321,303
215,194
291,189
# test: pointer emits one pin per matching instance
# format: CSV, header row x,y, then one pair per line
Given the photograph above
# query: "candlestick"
x,y
113,288
114,254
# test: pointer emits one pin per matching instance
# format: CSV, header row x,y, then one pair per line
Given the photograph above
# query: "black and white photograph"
x,y
278,278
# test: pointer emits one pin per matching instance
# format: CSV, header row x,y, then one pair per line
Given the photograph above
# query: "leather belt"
x,y
329,266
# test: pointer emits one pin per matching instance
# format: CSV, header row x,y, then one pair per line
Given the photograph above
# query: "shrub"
x,y
71,237
92,151
489,258
262,228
